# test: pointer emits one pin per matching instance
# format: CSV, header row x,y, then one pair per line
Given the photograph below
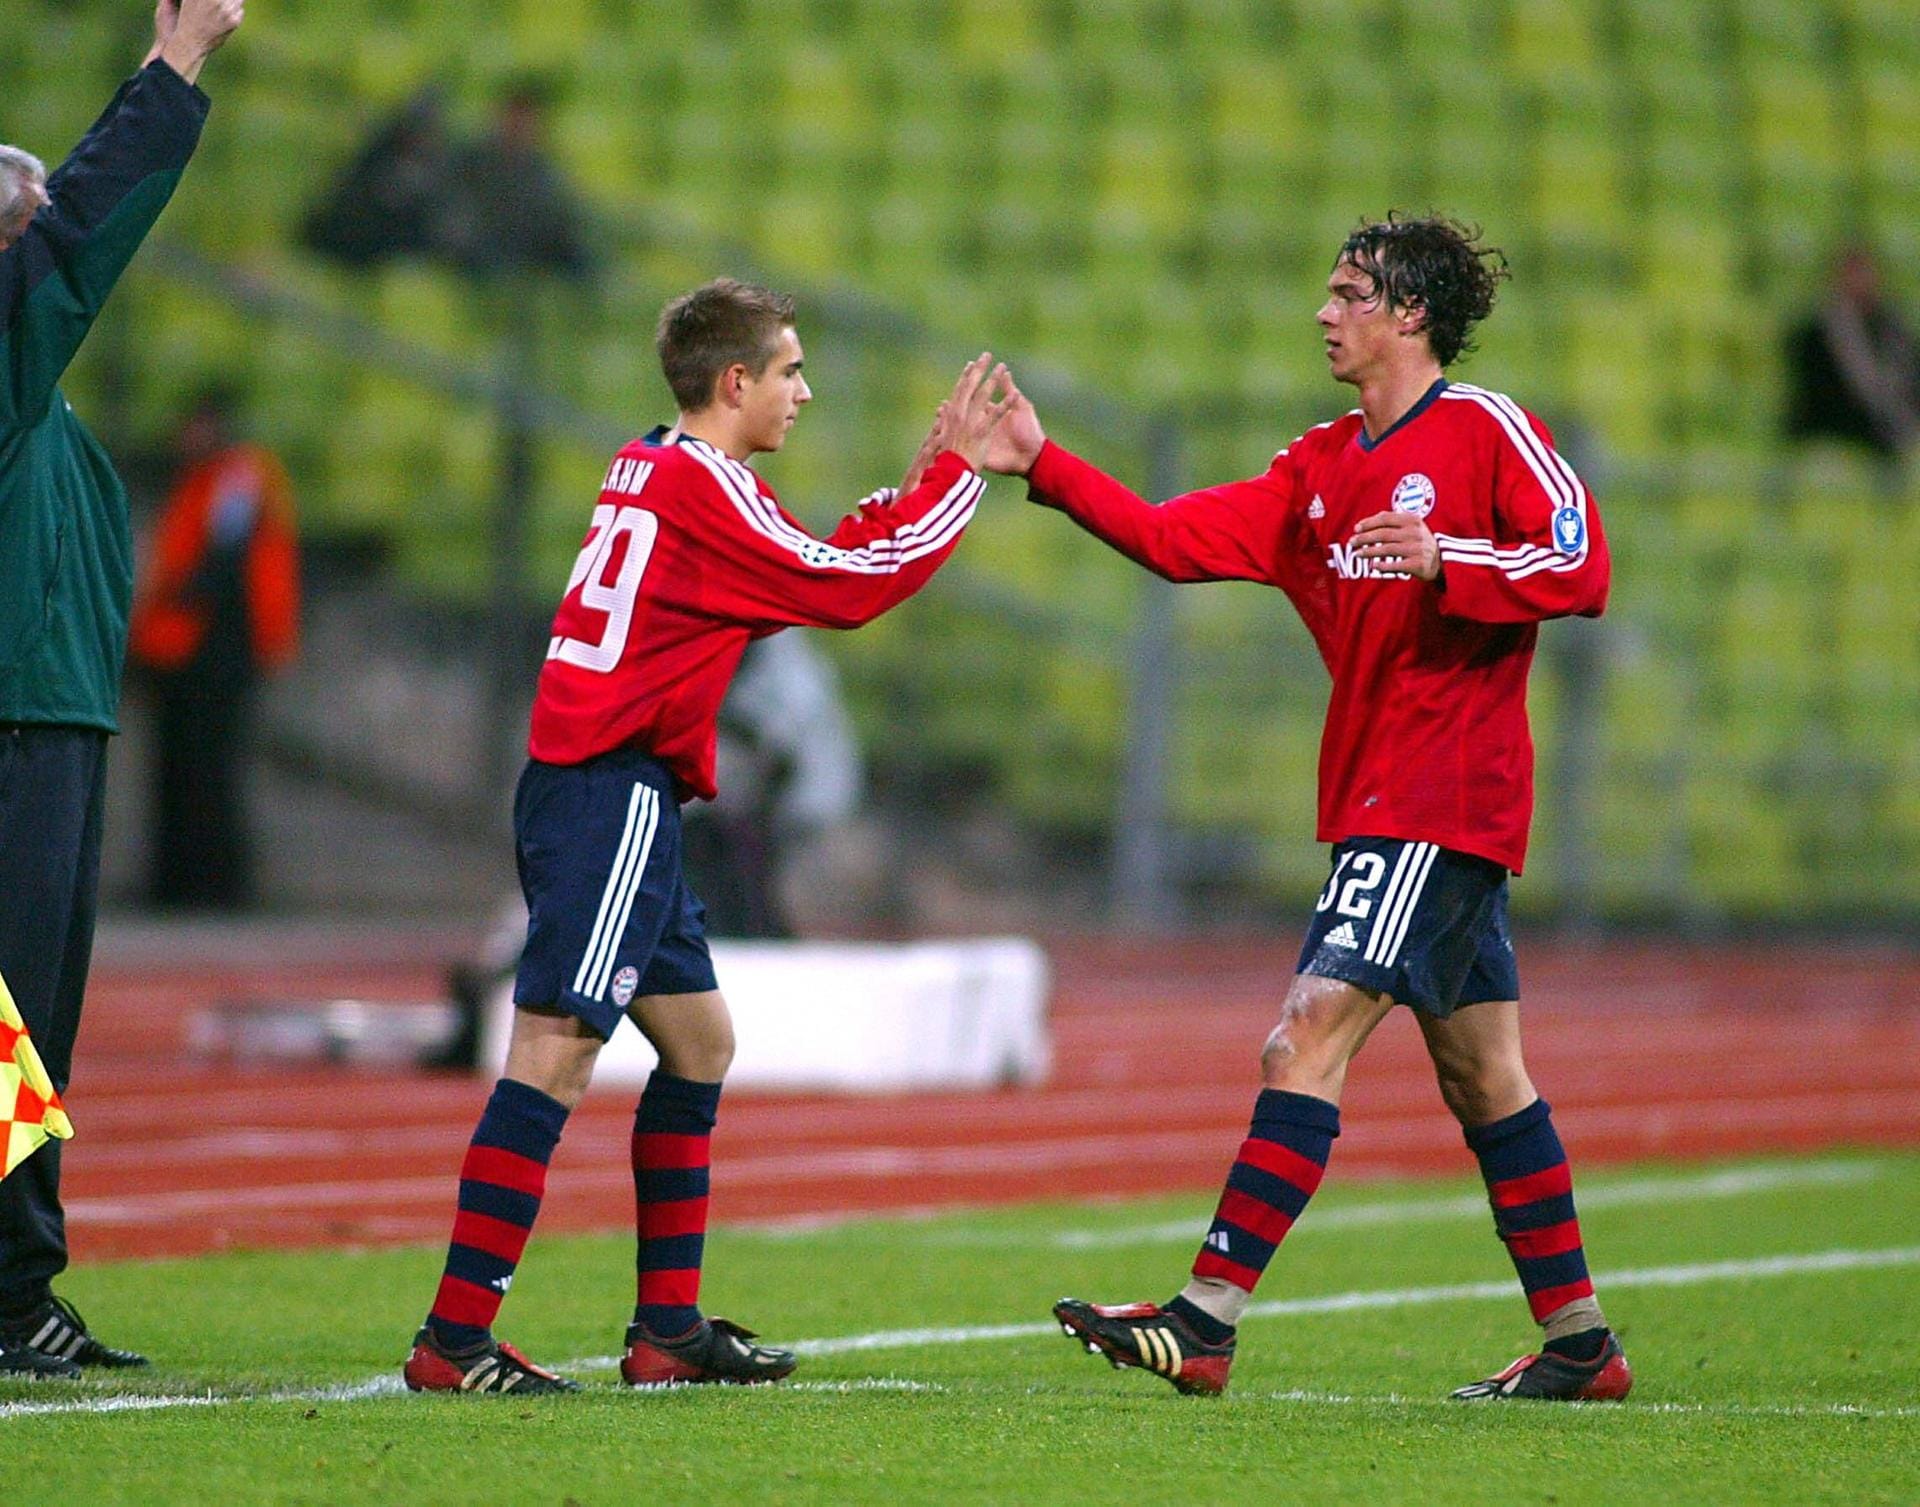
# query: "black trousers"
x,y
52,782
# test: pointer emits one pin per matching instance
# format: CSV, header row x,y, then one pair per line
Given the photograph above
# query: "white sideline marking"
x,y
1603,1195
131,1402
1407,1297
1720,1409
895,1339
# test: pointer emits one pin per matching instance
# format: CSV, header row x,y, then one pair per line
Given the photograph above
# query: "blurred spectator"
x,y
392,198
496,203
1853,373
789,769
511,208
218,605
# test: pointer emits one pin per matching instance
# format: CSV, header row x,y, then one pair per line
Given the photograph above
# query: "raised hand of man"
x,y
188,32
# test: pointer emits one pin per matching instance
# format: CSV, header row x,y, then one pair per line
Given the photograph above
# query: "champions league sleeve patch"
x,y
1569,530
1413,495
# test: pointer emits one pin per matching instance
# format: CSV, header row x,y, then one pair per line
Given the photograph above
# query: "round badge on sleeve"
x,y
1413,495
1569,530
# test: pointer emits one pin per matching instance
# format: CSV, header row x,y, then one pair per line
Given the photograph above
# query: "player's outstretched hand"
x,y
1016,444
1400,544
972,412
932,445
940,436
188,32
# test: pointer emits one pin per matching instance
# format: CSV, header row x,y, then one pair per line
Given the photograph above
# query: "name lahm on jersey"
x,y
627,476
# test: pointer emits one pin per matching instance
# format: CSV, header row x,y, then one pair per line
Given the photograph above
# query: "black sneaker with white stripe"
x,y
21,1363
55,1329
1150,1337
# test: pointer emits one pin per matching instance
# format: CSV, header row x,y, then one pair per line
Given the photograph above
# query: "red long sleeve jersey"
x,y
1426,735
689,557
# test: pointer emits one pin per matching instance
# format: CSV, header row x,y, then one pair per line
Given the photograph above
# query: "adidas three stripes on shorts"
x,y
609,914
1422,924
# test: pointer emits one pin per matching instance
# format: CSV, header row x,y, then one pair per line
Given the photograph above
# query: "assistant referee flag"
x,y
30,1108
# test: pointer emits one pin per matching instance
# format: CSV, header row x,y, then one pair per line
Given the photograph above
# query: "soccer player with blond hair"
x,y
688,558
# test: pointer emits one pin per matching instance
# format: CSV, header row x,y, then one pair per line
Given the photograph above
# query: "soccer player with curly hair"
x,y
1422,537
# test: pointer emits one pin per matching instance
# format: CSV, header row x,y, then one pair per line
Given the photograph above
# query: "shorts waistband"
x,y
626,761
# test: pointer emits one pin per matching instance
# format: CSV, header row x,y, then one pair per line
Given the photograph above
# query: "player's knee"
x,y
1460,1097
1478,1094
703,1057
1278,1055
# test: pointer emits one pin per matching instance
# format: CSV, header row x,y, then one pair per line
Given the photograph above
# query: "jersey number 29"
x,y
639,529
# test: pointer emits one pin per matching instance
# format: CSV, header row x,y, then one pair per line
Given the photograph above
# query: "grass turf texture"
x,y
1742,1380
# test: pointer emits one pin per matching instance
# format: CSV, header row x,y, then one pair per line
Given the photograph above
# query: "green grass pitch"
x,y
1763,1375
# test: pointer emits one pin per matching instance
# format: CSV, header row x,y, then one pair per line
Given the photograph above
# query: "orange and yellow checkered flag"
x,y
30,1109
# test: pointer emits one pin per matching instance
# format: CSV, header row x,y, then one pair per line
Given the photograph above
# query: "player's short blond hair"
x,y
720,324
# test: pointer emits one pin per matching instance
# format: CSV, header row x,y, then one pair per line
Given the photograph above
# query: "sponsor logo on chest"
x,y
1345,562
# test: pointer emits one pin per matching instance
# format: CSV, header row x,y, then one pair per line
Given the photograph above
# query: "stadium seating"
x,y
1145,194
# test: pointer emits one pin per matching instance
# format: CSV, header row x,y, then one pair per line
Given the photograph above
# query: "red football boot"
x,y
490,1367
1147,1336
714,1350
1553,1378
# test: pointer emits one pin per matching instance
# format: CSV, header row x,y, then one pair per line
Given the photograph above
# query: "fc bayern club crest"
x,y
624,983
1413,495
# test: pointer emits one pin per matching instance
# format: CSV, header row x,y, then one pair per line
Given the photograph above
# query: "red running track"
x,y
1645,1052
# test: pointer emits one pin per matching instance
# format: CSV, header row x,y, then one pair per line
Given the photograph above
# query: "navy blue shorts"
x,y
609,914
1420,923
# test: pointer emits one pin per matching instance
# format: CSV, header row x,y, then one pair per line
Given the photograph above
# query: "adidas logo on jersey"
x,y
1316,508
1217,1241
1341,936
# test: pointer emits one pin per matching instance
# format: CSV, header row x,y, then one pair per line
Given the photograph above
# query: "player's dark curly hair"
x,y
1436,265
704,332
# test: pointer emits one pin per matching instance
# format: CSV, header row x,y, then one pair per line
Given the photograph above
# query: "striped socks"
x,y
501,1182
1531,1189
672,1131
1280,1164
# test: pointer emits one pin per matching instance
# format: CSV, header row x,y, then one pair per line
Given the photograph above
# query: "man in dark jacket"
x,y
66,586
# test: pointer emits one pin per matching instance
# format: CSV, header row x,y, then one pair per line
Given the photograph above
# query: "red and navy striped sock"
x,y
672,1132
501,1183
1531,1188
1279,1166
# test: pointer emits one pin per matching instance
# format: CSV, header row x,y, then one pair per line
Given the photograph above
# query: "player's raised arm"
x,y
882,555
1241,531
